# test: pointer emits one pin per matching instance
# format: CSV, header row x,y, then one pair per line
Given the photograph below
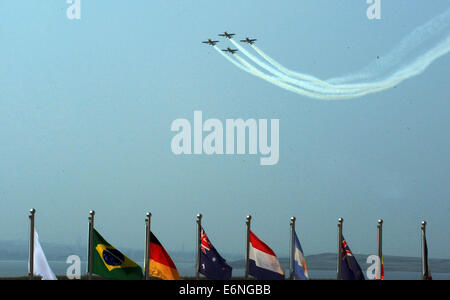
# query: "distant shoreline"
x,y
318,262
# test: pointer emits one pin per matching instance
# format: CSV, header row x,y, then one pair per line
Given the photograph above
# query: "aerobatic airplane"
x,y
250,41
212,43
227,35
232,51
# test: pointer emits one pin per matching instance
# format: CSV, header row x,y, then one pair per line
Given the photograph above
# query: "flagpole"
x,y
424,258
380,249
31,254
247,253
340,224
91,243
292,248
147,246
199,228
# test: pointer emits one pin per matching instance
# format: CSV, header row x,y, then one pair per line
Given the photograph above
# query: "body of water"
x,y
20,268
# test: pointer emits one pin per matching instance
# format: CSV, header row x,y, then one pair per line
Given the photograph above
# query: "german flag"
x,y
160,263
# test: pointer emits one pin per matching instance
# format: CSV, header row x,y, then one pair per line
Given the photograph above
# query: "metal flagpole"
x,y
31,254
247,253
199,241
424,254
340,223
147,246
380,249
91,243
292,247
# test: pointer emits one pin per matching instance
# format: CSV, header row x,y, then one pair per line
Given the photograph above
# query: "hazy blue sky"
x,y
86,107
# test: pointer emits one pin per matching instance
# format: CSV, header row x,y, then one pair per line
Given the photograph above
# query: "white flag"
x,y
41,267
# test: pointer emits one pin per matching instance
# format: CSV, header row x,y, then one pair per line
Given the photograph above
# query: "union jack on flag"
x,y
205,243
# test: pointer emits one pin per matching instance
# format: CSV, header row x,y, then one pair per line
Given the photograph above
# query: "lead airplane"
x,y
232,51
210,42
248,40
227,35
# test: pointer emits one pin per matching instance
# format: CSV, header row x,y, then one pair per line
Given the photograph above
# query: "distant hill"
x,y
18,250
328,261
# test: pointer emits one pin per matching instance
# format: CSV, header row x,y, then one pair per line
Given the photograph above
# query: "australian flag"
x,y
212,265
350,269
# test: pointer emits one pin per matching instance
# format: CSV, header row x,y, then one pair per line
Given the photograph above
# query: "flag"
x,y
426,268
263,263
380,275
160,263
110,263
211,264
40,263
300,270
350,269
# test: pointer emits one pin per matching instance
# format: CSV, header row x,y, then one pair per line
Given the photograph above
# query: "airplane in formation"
x,y
210,42
227,35
249,41
232,51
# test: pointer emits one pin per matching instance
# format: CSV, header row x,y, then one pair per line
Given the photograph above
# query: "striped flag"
x,y
263,263
161,265
300,270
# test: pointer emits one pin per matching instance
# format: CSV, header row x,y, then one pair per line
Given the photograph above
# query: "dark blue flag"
x,y
350,269
212,265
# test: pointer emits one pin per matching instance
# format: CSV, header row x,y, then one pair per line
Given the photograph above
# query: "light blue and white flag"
x,y
300,270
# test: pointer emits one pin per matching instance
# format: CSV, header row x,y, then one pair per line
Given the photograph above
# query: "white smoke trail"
x,y
245,66
408,44
425,32
304,77
417,67
311,86
232,60
290,72
320,88
278,82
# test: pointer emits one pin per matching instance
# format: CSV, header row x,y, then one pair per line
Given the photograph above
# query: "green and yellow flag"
x,y
110,263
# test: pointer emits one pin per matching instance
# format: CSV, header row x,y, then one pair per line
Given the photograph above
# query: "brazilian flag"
x,y
108,262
